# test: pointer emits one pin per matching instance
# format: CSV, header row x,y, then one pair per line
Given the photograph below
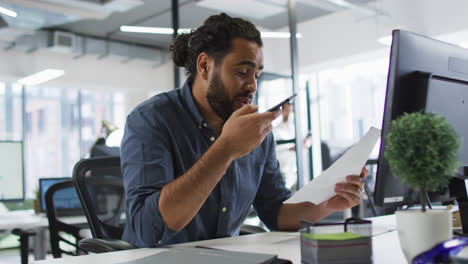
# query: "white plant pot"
x,y
418,231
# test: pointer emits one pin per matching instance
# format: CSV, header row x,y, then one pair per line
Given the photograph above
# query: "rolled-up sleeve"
x,y
147,167
272,191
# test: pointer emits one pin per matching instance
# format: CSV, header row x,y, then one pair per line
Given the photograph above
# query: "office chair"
x,y
247,229
99,184
250,229
57,227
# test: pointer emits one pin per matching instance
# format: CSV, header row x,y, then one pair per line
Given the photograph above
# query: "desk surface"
x,y
385,245
21,219
27,219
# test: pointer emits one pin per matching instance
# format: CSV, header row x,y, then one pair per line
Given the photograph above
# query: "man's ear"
x,y
204,64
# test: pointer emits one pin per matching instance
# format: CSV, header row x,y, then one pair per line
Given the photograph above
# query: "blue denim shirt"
x,y
164,136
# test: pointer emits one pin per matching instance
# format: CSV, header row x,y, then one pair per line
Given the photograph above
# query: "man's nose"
x,y
251,86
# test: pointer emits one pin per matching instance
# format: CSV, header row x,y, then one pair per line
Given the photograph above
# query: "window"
x,y
51,142
54,139
11,106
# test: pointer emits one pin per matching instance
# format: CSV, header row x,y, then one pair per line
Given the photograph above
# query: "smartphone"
x,y
285,101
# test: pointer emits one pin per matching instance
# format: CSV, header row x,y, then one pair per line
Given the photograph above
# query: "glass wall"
x,y
60,125
270,92
95,107
345,101
350,99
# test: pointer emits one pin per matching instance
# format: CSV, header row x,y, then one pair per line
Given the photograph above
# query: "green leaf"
x,y
422,150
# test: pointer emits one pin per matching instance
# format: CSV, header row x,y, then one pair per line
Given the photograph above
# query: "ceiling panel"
x,y
115,20
157,13
304,12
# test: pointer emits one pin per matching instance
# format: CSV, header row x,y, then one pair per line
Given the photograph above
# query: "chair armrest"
x,y
23,233
96,245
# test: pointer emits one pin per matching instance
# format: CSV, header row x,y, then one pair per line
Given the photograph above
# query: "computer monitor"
x,y
11,171
66,201
424,75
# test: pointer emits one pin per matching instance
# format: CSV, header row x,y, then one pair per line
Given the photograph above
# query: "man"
x,y
195,159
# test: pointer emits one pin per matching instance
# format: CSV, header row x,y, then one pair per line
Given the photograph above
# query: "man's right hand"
x,y
246,130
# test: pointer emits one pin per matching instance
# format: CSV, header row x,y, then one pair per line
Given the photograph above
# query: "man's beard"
x,y
218,98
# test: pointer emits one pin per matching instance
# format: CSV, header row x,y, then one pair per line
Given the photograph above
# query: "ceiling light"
x,y
8,12
385,40
342,3
170,31
184,30
463,44
41,77
152,30
279,35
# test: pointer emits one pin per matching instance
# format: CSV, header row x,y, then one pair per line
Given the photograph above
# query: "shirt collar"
x,y
189,101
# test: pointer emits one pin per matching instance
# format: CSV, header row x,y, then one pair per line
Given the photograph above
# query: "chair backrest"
x,y
99,184
54,201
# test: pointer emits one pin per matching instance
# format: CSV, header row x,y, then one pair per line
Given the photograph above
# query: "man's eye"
x,y
243,73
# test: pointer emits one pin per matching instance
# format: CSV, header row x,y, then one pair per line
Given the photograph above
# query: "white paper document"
x,y
322,188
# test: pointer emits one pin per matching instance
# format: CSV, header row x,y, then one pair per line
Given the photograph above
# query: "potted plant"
x,y
37,202
422,152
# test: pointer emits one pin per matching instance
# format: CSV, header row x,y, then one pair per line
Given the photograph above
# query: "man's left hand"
x,y
348,193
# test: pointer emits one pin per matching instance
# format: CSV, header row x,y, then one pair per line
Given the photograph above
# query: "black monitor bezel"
x,y
411,99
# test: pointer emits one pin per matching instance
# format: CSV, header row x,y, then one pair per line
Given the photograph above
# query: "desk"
x,y
38,223
386,248
20,219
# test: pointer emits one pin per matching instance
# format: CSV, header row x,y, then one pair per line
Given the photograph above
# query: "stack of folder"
x,y
348,242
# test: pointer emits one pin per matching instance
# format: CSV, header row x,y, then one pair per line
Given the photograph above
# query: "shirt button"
x,y
212,138
204,124
224,209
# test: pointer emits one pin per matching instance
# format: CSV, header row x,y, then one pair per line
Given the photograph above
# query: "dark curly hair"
x,y
215,38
